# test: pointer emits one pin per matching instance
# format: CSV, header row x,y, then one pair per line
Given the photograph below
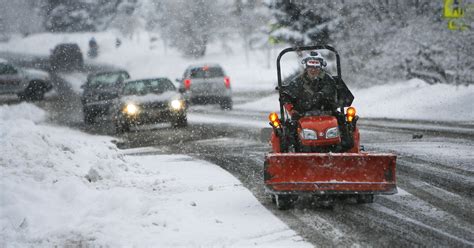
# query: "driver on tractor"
x,y
313,91
317,151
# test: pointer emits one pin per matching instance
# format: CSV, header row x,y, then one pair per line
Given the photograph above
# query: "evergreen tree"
x,y
79,15
127,19
298,23
68,16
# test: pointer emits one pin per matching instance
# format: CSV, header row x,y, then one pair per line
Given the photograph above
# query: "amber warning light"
x,y
274,120
350,114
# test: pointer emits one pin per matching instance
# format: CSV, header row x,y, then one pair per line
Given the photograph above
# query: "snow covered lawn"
x,y
61,187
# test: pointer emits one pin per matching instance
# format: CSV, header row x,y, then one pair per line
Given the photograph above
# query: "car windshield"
x,y
206,72
7,69
67,48
107,78
142,87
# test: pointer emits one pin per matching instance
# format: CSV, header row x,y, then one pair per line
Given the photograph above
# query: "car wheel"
x,y
122,127
34,92
226,103
88,117
180,121
22,96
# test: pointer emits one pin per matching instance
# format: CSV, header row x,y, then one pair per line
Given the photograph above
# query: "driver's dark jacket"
x,y
309,95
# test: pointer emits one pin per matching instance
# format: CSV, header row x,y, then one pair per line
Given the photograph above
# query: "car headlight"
x,y
308,134
177,104
332,133
131,109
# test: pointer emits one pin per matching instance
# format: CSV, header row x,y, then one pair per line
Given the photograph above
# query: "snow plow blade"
x,y
330,173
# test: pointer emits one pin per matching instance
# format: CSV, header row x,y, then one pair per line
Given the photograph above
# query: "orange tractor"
x,y
323,157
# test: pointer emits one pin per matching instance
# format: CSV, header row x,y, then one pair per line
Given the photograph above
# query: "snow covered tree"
x,y
189,26
380,41
249,19
68,16
128,18
300,22
385,40
79,15
104,12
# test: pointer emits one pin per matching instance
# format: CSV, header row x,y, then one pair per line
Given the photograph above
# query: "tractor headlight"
x,y
177,104
131,109
332,133
309,134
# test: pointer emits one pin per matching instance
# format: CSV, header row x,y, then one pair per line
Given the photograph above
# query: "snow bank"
x,y
21,112
417,100
62,187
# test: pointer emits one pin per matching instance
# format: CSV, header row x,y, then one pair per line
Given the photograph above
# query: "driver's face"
x,y
313,72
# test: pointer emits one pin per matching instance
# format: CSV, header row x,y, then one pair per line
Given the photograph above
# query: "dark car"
x,y
148,101
66,57
206,84
100,90
28,84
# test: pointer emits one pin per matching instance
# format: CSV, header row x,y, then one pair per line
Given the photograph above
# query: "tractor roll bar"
x,y
304,48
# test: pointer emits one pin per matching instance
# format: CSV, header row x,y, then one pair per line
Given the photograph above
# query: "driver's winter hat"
x,y
313,63
313,59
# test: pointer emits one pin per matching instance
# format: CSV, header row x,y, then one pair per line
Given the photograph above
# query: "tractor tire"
x,y
285,202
